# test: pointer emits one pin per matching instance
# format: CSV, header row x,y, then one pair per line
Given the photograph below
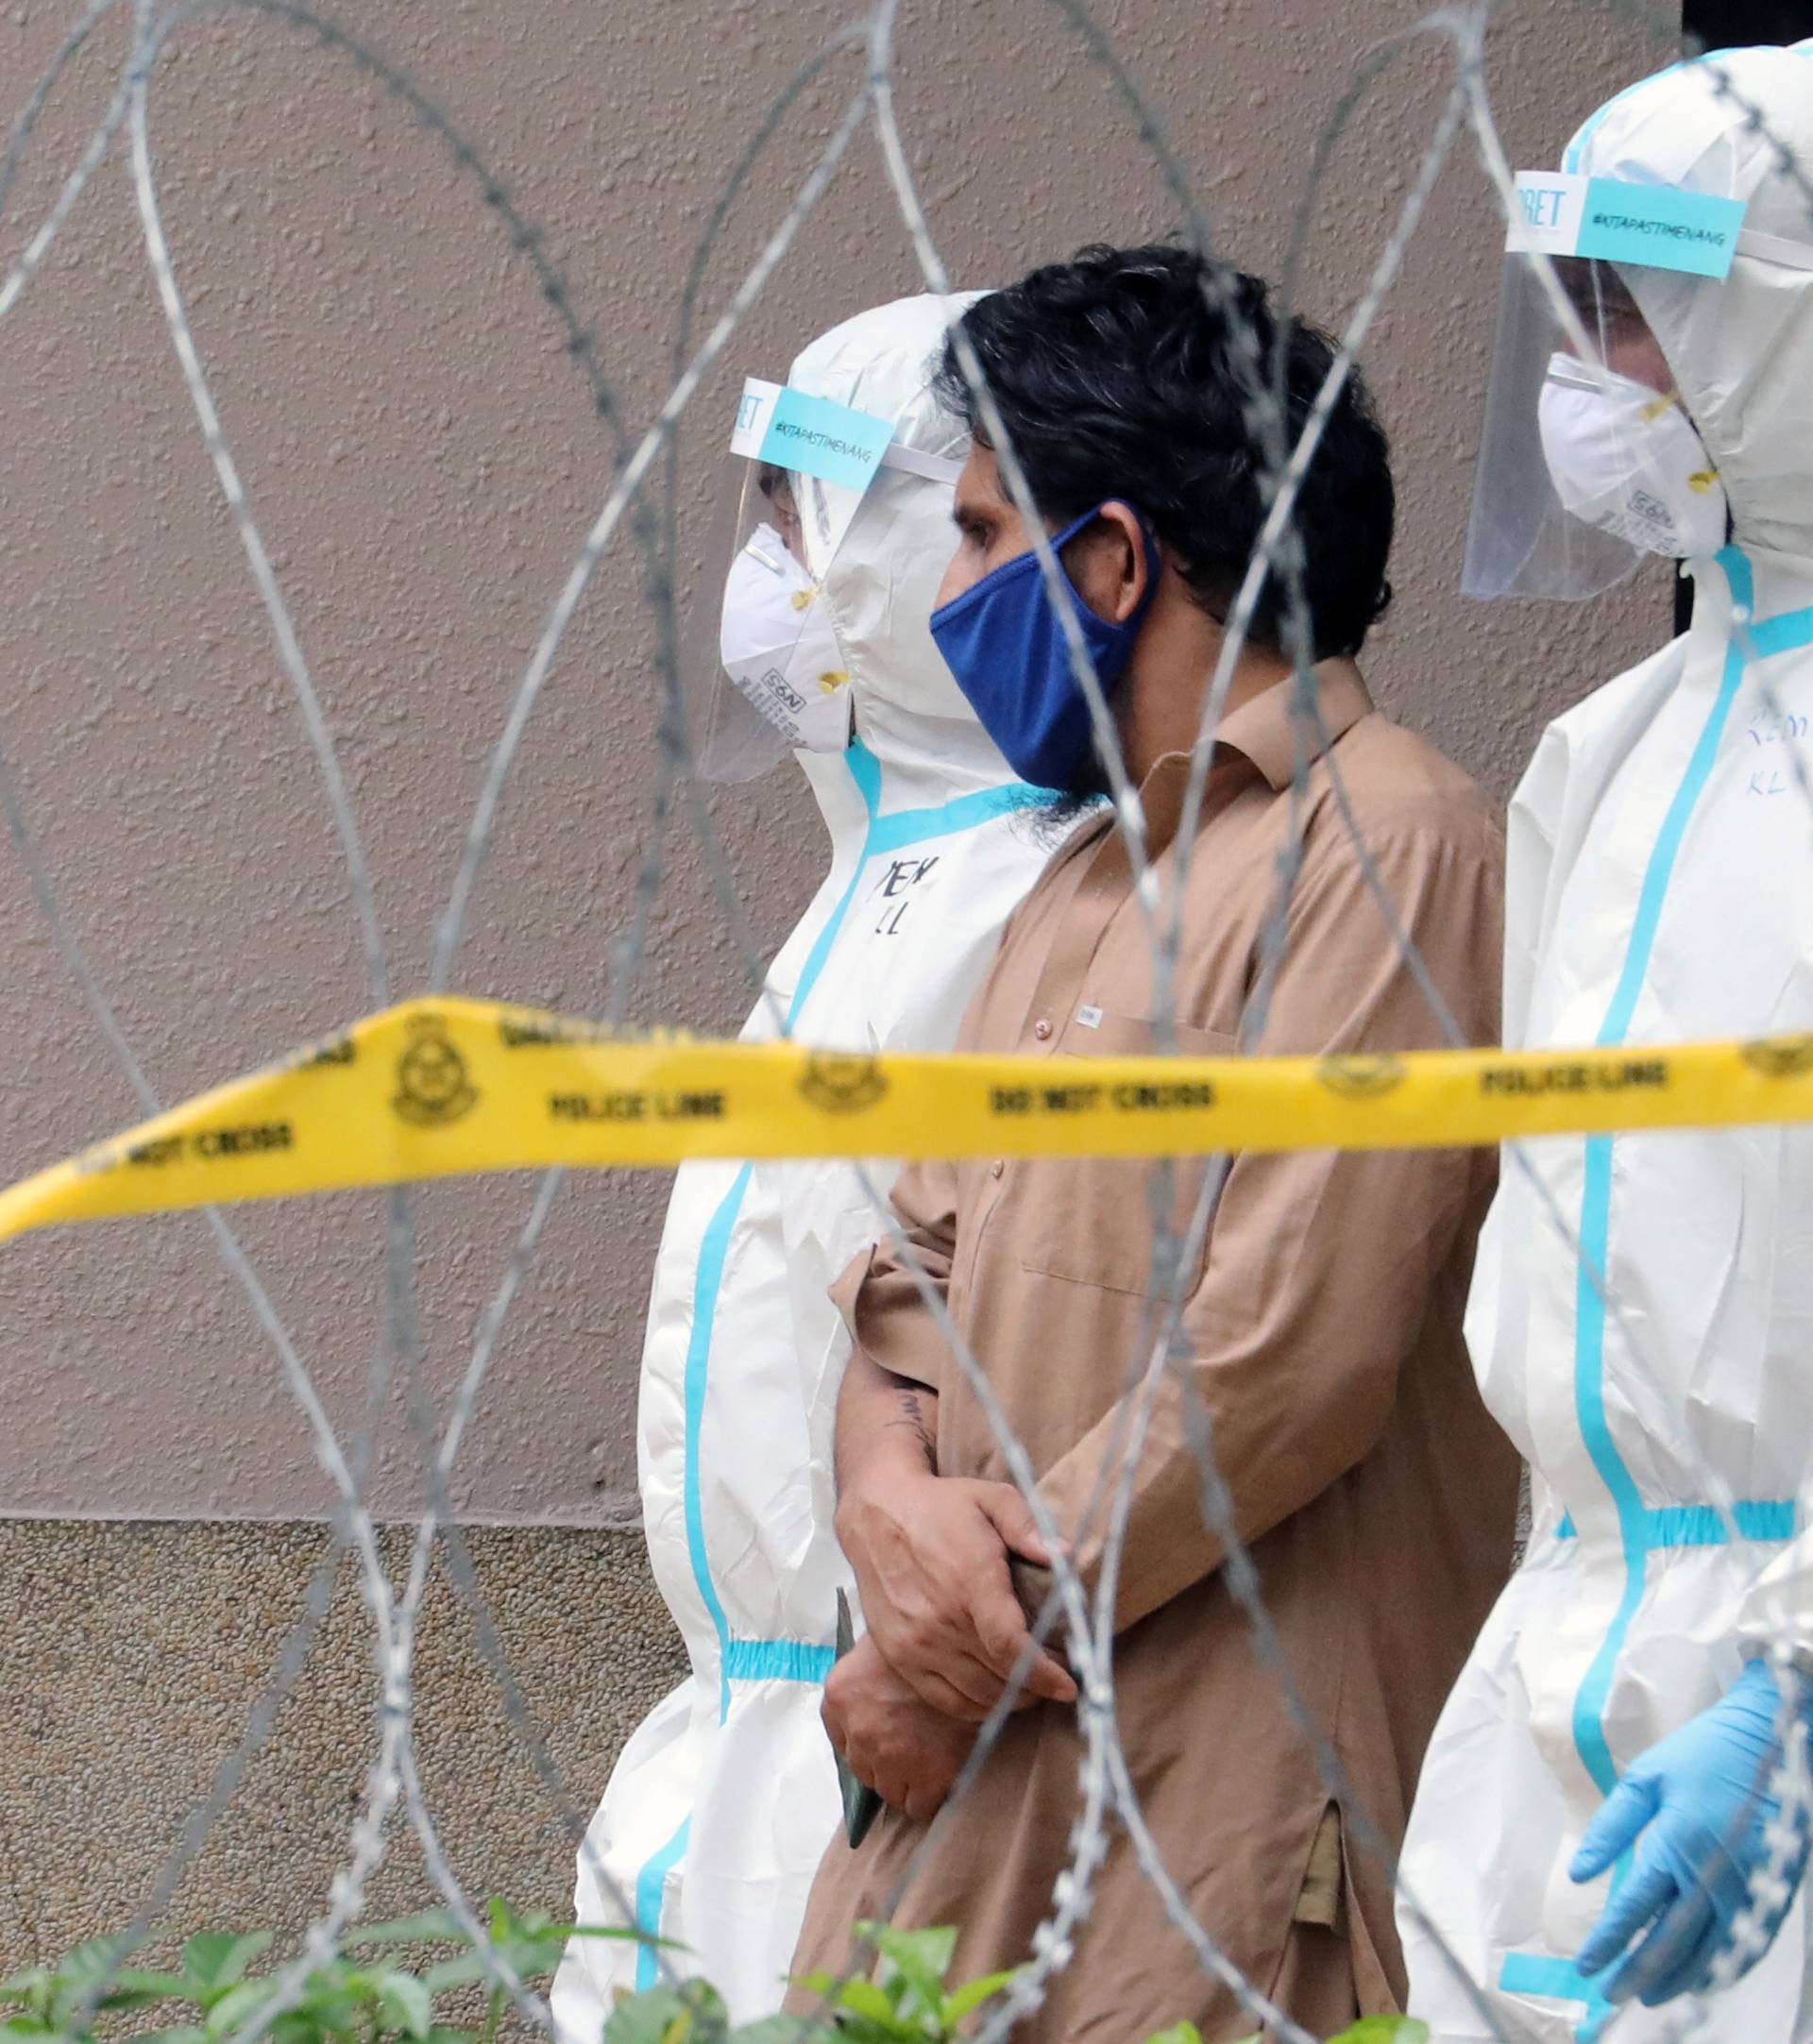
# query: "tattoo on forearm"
x,y
912,1414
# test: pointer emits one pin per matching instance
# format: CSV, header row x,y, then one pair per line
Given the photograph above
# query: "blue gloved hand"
x,y
1698,1802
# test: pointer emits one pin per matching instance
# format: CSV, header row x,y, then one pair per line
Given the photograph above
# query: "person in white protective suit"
x,y
721,1804
1594,1820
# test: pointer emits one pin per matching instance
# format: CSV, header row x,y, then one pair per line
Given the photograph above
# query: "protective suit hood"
x,y
1741,349
882,583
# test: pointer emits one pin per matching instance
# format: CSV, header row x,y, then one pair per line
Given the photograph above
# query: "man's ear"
x,y
1112,563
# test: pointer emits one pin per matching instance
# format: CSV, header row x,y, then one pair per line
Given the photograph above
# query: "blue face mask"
x,y
1003,641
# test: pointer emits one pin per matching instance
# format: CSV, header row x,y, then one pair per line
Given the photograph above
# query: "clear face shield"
x,y
1588,461
760,643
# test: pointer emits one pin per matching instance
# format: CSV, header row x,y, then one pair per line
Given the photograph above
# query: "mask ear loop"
x,y
1152,559
1154,564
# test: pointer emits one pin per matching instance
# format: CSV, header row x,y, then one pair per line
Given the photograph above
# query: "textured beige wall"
x,y
424,460
131,1657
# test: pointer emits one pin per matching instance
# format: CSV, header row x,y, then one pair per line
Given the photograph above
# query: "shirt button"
x,y
997,1167
1042,1029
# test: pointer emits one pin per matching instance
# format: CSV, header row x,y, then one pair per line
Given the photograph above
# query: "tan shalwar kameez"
x,y
1323,1325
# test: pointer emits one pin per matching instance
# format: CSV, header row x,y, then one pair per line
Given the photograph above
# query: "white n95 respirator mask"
x,y
1627,461
780,649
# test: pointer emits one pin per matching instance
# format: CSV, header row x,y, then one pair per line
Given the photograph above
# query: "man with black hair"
x,y
1319,1329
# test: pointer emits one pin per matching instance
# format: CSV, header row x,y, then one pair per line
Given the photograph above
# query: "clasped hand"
x,y
931,1557
907,1752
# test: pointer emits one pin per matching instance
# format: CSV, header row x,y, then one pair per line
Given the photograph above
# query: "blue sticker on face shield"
x,y
817,438
1659,226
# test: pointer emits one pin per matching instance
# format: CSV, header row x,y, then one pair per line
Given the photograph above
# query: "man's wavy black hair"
x,y
1116,376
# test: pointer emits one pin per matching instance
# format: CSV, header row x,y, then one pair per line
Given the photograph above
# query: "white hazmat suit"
x,y
724,1798
1660,889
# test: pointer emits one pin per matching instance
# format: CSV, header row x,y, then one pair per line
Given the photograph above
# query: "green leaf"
x,y
532,1957
527,1959
94,1960
234,2007
1384,2029
149,1986
427,1927
183,2033
338,1998
216,1960
862,2012
299,2026
29,2027
917,1962
79,1979
458,1972
930,1951
33,1987
507,1922
406,2003
867,1999
661,2016
88,1967
1186,2032
855,2028
781,2029
970,1998
121,1999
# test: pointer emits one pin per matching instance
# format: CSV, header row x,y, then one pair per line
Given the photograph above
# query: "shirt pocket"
x,y
1089,1219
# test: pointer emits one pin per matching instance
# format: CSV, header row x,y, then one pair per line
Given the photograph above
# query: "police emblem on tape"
x,y
432,1085
842,1085
1361,1078
1778,1058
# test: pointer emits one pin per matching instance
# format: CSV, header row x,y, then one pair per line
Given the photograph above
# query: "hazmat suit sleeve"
x,y
881,1297
1321,1264
1778,1605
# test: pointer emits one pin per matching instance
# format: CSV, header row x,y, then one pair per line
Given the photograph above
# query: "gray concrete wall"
x,y
424,460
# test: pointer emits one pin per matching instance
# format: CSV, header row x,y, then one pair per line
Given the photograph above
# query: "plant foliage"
x,y
365,1996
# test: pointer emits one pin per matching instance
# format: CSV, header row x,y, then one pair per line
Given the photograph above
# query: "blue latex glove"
x,y
1696,1804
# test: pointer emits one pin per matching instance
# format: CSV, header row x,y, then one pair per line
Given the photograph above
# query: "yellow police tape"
x,y
438,1087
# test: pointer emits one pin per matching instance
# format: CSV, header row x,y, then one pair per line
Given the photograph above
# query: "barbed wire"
x,y
1106,1790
